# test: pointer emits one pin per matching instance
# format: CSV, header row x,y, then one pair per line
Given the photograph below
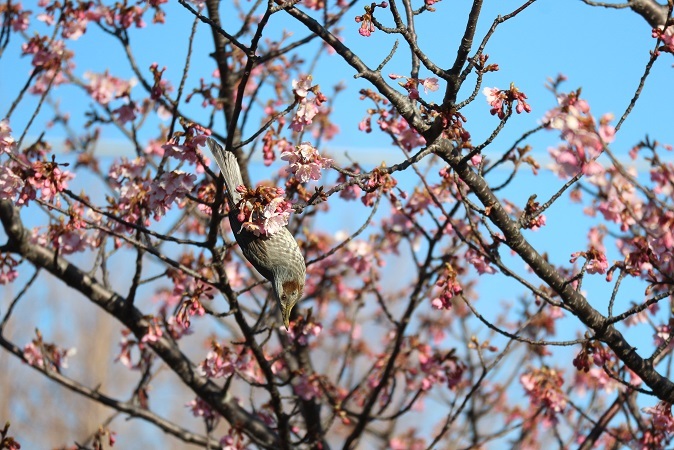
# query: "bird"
x,y
276,257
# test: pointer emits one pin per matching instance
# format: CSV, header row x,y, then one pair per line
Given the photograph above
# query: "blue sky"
x,y
602,51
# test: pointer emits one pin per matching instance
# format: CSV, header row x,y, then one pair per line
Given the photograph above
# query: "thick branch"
x,y
132,318
603,330
654,13
125,407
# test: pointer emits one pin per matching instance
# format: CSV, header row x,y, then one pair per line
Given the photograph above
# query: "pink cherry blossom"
x,y
430,84
154,331
307,388
218,363
193,293
264,211
302,329
11,184
43,179
449,287
495,98
478,261
171,187
302,86
305,162
6,140
503,100
46,355
18,17
8,272
666,36
200,408
596,260
544,389
126,113
104,88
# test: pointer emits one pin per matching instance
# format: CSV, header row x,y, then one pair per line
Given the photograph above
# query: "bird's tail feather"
x,y
229,167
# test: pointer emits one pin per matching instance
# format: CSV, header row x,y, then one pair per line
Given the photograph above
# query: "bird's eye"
x,y
284,297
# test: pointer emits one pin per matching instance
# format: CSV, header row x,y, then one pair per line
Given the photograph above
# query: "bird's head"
x,y
288,292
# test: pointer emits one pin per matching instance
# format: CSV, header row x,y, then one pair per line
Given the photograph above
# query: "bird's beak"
x,y
285,313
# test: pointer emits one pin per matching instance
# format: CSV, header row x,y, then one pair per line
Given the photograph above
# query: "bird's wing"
x,y
229,167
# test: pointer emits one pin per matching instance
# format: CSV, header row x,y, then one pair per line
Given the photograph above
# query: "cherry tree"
x,y
436,311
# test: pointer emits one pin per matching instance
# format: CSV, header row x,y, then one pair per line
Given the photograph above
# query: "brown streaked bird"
x,y
276,257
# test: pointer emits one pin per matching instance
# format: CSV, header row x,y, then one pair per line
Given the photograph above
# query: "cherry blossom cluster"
x,y
74,17
310,112
161,86
170,187
432,367
194,136
592,352
263,211
479,261
666,36
8,272
358,254
16,16
223,362
47,54
429,4
663,335
308,387
596,261
366,20
200,408
305,162
351,191
411,85
307,107
408,440
45,355
233,440
530,218
544,389
154,331
584,138
501,101
72,236
29,181
11,185
390,121
138,193
193,296
49,57
184,300
127,343
380,181
449,287
661,427
156,328
7,141
303,328
622,204
104,87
